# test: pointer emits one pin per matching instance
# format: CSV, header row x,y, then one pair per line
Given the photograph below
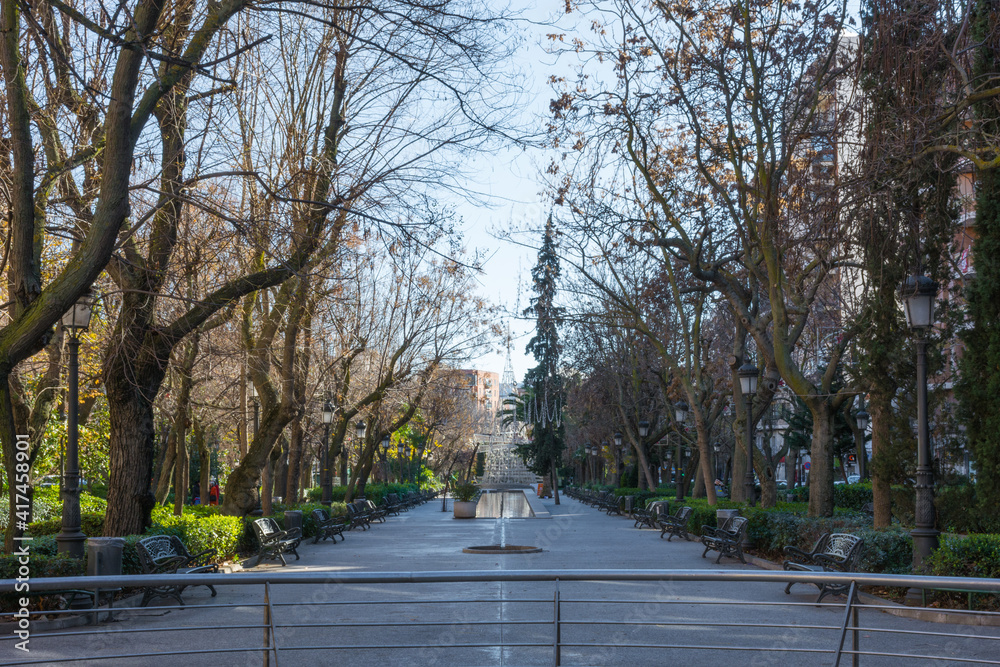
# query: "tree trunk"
x,y
296,447
821,454
205,461
166,471
279,458
181,467
130,500
880,406
555,483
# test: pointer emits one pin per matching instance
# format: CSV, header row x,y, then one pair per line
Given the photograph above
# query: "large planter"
x,y
464,509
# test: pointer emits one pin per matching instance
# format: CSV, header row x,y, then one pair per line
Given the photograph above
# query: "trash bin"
x,y
629,504
293,519
104,556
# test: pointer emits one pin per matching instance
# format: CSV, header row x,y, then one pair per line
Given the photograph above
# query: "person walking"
x,y
213,493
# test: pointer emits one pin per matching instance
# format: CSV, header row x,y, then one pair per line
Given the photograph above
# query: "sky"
x,y
514,192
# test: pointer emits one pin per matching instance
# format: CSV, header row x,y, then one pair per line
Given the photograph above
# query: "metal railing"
x,y
566,616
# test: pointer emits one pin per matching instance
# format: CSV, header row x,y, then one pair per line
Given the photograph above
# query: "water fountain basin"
x,y
502,549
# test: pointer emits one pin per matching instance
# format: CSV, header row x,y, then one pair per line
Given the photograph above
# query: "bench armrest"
x,y
831,562
202,557
798,555
168,564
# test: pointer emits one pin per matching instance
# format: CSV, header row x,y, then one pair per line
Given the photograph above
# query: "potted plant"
x,y
465,504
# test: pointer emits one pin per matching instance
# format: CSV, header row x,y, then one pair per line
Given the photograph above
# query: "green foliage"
x,y
198,533
978,388
46,504
42,566
373,492
464,492
852,496
91,523
973,556
542,403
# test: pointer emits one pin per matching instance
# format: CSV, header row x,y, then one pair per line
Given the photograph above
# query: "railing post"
x,y
857,638
557,628
267,627
847,619
270,640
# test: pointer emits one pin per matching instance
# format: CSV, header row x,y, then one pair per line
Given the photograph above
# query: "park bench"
x,y
833,552
649,515
392,505
166,554
274,542
621,506
327,526
375,513
726,539
357,517
675,524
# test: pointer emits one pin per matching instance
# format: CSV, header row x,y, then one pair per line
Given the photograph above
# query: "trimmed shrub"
x,y
198,533
852,496
91,523
42,566
972,556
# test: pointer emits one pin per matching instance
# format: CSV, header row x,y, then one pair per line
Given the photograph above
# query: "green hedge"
x,y
972,556
46,504
212,531
373,492
91,523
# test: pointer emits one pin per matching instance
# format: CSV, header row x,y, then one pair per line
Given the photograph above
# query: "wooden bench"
x,y
327,526
274,542
166,554
676,524
833,552
726,539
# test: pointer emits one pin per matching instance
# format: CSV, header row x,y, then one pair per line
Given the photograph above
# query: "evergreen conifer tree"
x,y
979,386
543,400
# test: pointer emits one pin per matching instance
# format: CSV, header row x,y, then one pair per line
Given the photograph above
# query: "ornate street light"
x,y
748,385
863,419
327,482
643,429
70,540
918,294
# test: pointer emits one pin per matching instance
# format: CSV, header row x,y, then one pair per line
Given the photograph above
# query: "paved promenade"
x,y
575,537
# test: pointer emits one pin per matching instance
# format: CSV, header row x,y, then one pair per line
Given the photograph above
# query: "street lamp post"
x,y
409,468
680,416
748,385
359,431
918,294
327,477
70,540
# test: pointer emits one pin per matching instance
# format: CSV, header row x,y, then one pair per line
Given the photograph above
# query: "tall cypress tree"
x,y
544,396
979,386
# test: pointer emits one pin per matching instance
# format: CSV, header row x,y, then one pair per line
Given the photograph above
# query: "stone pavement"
x,y
453,614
